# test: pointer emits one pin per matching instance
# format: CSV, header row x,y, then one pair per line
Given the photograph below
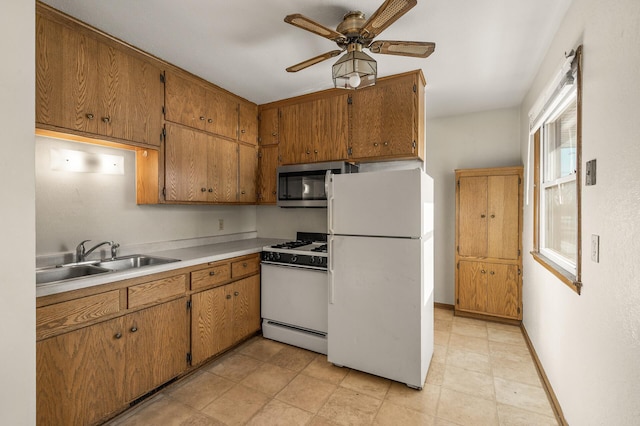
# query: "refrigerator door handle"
x,y
328,186
330,272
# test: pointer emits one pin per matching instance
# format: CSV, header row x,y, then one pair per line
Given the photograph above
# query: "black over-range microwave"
x,y
303,185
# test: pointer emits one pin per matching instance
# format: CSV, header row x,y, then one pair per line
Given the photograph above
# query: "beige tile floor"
x,y
481,374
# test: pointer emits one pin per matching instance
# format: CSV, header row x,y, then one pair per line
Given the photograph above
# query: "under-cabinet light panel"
x,y
68,160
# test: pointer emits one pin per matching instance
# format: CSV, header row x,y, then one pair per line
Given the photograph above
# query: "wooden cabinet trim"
x,y
153,292
53,318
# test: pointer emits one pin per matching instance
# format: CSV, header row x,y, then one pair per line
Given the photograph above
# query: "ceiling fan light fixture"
x,y
354,70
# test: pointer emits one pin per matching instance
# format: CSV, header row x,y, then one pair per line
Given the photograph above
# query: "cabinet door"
x,y
331,128
296,133
384,120
222,113
185,101
185,165
248,163
268,127
66,77
80,375
502,211
472,286
145,100
503,290
211,323
472,219
248,117
268,174
246,307
157,345
222,170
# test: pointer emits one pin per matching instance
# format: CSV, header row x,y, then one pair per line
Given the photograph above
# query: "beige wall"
x,y
71,207
483,139
590,344
276,222
17,209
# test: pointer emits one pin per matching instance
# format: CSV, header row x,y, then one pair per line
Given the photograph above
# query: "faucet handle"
x,y
114,249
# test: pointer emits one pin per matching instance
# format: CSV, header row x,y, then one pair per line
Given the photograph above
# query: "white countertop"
x,y
188,256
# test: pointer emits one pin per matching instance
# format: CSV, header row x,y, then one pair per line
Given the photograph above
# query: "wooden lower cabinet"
x,y
488,288
157,346
85,375
80,375
222,316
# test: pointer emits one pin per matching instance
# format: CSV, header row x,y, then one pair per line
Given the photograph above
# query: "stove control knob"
x,y
294,259
312,260
277,256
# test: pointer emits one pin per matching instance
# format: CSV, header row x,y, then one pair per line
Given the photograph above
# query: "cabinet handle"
x,y
203,189
386,144
134,329
201,118
308,152
244,265
274,192
493,216
315,151
209,121
242,192
375,144
228,296
274,134
483,216
492,273
236,293
106,119
118,335
243,131
212,273
210,189
482,271
90,116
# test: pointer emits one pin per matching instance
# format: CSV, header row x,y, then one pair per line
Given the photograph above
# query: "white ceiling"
x,y
487,51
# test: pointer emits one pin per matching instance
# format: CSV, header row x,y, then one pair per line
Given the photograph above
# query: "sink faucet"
x,y
82,253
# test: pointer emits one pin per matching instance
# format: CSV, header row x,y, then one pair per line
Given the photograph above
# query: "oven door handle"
x,y
330,271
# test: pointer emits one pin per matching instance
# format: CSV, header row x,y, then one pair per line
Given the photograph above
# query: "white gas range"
x,y
295,292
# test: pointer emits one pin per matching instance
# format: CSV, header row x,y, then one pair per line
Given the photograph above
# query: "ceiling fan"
x,y
356,69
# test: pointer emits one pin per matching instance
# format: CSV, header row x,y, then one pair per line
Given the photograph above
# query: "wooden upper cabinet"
x,y
222,169
387,119
248,119
268,126
185,101
186,177
315,130
267,174
221,113
488,216
248,165
93,88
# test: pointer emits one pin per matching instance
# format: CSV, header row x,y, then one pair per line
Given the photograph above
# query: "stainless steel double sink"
x,y
84,269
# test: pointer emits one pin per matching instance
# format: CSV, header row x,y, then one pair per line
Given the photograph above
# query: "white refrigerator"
x,y
381,273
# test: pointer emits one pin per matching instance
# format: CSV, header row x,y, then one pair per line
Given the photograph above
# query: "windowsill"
x,y
567,278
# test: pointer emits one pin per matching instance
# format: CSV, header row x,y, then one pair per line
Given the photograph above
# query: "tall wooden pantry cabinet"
x,y
489,242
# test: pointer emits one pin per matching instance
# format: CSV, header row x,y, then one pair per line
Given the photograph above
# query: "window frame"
x,y
568,276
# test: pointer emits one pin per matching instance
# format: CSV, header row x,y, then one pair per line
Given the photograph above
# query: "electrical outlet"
x,y
595,248
220,224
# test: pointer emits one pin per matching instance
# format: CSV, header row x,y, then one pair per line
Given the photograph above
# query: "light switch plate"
x,y
595,248
590,173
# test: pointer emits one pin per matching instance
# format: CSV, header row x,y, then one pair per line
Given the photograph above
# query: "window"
x,y
557,140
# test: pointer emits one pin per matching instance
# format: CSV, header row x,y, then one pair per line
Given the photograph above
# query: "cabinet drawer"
x,y
155,291
215,275
52,318
245,267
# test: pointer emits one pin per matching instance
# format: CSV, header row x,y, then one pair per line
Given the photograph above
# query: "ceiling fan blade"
x,y
305,23
386,15
304,64
418,49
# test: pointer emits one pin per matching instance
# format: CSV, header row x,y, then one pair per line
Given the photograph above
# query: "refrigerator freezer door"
x,y
379,311
387,203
